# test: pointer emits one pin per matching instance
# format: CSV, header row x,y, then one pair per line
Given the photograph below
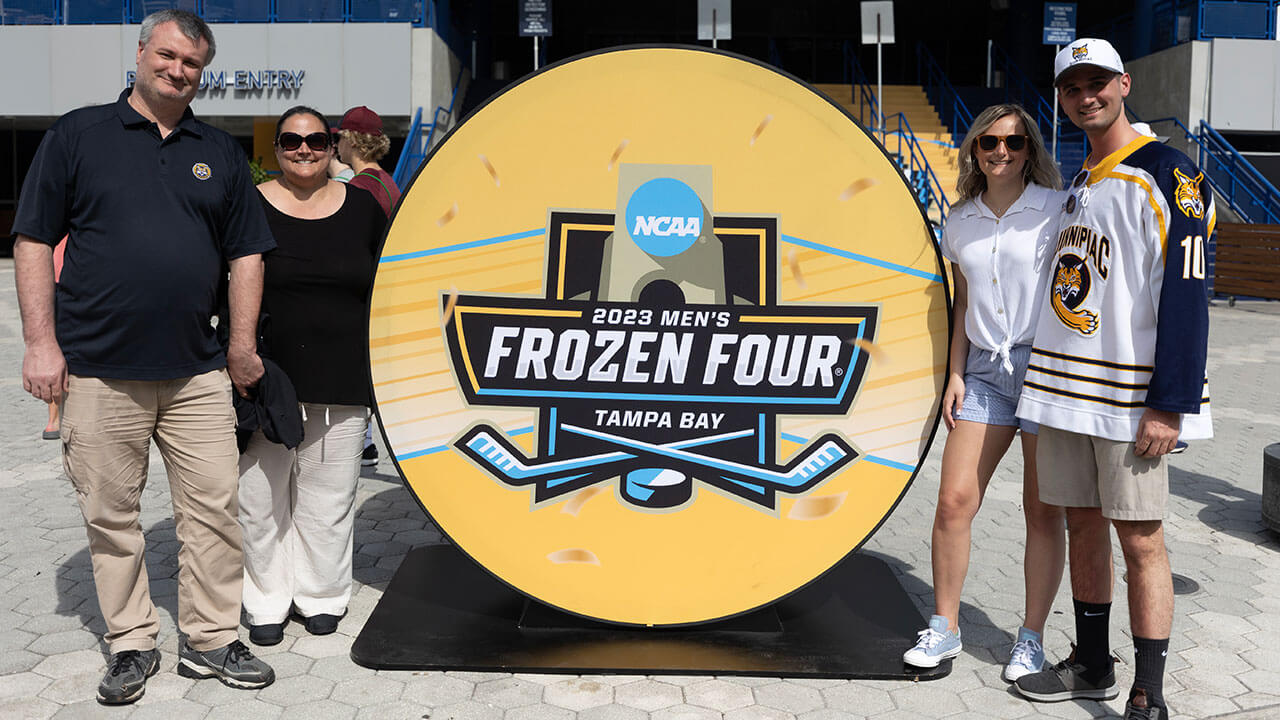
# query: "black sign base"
x,y
443,612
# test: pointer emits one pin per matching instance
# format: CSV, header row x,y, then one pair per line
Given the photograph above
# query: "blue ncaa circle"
x,y
659,216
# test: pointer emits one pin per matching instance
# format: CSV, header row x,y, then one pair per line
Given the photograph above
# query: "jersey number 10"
x,y
1193,257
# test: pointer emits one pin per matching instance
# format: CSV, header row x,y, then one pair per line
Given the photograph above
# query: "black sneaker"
x,y
126,678
270,634
233,664
1066,681
1138,709
321,624
369,457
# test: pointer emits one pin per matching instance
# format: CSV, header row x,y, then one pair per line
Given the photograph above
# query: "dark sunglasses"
x,y
1013,142
317,141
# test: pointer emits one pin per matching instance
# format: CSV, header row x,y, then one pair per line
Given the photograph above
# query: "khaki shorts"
x,y
1083,471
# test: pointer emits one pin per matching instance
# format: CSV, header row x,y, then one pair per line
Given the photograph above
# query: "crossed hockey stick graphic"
x,y
489,448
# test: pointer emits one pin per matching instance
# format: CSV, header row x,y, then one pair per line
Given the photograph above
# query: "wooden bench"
x,y
1247,261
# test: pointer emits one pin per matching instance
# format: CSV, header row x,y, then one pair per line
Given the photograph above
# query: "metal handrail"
x,y
416,146
1020,89
408,151
1237,174
941,93
929,192
867,100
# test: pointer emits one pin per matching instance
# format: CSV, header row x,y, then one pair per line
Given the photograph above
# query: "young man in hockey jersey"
x,y
1117,373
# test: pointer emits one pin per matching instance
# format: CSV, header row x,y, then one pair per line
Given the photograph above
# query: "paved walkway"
x,y
1224,658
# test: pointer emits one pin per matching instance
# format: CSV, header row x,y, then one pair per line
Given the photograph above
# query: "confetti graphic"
x,y
759,129
856,187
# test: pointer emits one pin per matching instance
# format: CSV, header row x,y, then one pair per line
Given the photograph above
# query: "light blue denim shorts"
x,y
990,393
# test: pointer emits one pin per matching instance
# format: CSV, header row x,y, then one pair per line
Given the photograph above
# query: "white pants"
x,y
297,511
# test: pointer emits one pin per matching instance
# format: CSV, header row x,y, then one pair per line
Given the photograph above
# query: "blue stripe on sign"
x,y
442,448
461,246
863,258
869,458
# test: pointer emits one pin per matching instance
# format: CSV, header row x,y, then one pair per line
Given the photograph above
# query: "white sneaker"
x,y
935,644
1027,656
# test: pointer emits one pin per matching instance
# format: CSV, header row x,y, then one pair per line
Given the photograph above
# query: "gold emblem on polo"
x,y
201,171
604,378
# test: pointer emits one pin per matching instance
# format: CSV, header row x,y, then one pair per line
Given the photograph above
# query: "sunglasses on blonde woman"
x,y
1013,142
317,141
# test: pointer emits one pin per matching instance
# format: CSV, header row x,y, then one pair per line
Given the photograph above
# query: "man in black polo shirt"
x,y
154,202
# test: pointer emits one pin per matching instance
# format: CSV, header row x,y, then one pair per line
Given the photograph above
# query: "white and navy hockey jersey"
x,y
1127,321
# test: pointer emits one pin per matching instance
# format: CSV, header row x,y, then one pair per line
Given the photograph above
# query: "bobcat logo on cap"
x,y
1079,53
1190,201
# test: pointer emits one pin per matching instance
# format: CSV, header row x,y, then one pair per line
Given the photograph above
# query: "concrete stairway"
x,y
910,100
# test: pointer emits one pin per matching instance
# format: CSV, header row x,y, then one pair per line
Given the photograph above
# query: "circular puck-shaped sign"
x,y
658,335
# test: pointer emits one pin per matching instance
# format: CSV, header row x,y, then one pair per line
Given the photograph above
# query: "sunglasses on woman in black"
x,y
317,141
1013,142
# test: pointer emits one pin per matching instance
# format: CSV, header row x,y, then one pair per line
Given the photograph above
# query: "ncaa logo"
x,y
664,217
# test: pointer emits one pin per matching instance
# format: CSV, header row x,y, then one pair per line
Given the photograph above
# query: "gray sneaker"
x,y
126,678
233,664
1066,681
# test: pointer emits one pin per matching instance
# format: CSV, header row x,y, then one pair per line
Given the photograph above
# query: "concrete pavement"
x,y
1224,658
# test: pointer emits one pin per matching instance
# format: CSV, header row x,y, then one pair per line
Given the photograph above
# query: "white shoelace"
x,y
929,638
1024,653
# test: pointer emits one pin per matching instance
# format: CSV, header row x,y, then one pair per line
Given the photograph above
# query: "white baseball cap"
x,y
1087,51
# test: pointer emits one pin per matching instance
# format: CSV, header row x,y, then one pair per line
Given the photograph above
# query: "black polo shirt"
x,y
151,221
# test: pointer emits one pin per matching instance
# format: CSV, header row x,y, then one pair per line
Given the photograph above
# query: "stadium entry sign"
x,y
658,336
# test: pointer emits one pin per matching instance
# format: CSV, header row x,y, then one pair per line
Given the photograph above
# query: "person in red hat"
x,y
361,145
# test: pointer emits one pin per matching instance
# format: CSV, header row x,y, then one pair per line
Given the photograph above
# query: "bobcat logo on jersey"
x,y
1071,285
1190,201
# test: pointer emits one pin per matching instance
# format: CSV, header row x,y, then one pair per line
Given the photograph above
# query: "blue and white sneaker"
x,y
936,644
1027,656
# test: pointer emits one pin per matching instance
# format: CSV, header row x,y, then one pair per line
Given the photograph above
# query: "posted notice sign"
x,y
535,18
1059,23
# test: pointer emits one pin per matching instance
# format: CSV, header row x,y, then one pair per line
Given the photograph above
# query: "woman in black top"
x,y
297,507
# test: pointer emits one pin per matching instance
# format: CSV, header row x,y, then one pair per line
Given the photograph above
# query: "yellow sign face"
x,y
658,336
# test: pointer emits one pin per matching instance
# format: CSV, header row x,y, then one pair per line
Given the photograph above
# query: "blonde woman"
x,y
996,236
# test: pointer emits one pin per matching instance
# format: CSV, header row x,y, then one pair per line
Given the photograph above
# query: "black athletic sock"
x,y
1093,646
1149,656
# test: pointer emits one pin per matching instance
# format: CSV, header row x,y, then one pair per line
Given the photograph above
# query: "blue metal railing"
x,y
951,109
1245,189
1173,22
865,98
1254,19
418,142
1072,144
900,141
421,13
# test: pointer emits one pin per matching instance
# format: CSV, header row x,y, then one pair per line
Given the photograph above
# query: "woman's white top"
x,y
1003,259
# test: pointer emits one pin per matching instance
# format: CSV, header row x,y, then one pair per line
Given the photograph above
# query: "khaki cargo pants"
x,y
107,429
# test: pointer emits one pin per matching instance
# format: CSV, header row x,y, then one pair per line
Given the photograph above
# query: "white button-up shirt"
x,y
1003,259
